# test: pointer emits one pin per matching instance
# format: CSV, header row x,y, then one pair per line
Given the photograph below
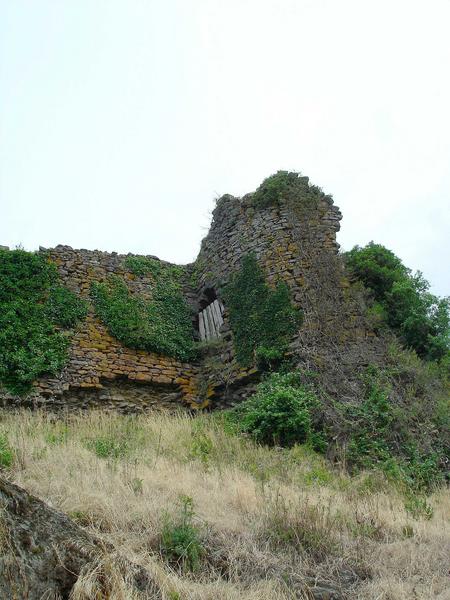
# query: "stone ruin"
x,y
294,241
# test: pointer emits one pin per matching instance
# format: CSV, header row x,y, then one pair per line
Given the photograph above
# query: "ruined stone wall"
x,y
293,241
100,369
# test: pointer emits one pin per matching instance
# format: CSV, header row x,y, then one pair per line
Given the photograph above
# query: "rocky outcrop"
x,y
43,553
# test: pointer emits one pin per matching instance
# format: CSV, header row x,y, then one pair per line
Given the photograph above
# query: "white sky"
x,y
121,120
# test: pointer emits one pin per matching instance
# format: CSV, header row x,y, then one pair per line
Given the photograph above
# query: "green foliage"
x,y
404,444
146,265
419,508
289,186
33,306
369,422
64,308
180,538
282,412
379,435
377,267
58,434
162,324
403,301
260,317
268,359
201,446
275,187
109,447
6,452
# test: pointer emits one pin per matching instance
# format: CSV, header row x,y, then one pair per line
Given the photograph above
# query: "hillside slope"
x,y
211,515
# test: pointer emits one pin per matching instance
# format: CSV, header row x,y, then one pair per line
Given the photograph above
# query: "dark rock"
x,y
43,552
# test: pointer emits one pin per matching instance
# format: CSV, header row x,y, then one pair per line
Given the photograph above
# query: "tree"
x,y
419,318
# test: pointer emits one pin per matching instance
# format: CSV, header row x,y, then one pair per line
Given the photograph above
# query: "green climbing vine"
x,y
34,309
263,320
162,324
146,265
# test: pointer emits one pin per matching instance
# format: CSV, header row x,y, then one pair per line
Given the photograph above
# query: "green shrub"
x,y
377,267
402,300
402,442
273,188
281,412
288,186
268,359
263,320
6,453
180,539
109,446
162,324
319,475
201,446
33,306
420,470
419,508
369,423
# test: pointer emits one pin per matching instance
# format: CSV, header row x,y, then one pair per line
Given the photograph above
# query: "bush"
x,y
377,267
263,320
402,300
419,508
404,443
280,412
369,423
33,306
201,446
273,188
268,359
180,539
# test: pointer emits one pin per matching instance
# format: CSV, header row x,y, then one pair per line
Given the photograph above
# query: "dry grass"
x,y
271,522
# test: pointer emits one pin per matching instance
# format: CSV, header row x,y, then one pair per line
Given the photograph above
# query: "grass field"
x,y
214,516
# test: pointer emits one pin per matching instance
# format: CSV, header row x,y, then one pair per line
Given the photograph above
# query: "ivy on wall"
x,y
263,320
146,265
34,308
162,325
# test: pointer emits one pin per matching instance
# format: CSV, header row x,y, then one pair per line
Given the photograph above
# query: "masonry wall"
x,y
294,241
100,370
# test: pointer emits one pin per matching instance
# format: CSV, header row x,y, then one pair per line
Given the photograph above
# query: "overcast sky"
x,y
122,120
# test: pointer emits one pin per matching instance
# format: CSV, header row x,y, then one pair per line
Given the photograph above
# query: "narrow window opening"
x,y
210,318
